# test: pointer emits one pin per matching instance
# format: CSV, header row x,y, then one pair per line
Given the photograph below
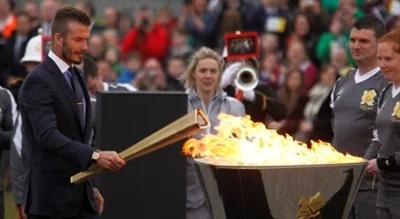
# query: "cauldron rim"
x,y
203,161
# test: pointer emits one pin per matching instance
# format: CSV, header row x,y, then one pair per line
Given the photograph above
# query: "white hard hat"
x,y
33,51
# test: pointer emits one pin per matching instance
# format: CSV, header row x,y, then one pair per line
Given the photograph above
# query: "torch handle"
x,y
184,127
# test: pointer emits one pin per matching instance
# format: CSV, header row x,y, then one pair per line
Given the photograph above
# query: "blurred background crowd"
x,y
303,43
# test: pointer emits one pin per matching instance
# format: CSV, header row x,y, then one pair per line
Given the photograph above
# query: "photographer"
x,y
149,37
261,103
151,77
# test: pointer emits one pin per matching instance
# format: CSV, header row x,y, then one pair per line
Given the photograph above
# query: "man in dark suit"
x,y
55,111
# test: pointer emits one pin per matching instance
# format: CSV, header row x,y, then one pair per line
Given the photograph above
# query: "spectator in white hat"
x,y
33,53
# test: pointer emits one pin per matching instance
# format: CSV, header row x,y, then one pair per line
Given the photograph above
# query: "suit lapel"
x,y
62,84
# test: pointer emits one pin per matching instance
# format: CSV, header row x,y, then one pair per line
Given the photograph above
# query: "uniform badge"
x,y
396,111
368,99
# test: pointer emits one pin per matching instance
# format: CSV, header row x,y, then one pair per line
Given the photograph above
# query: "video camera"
x,y
241,45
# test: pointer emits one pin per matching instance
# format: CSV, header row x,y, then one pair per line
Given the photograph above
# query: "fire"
x,y
239,141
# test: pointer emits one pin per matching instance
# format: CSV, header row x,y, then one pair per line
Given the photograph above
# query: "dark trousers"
x,y
93,216
83,214
364,206
388,203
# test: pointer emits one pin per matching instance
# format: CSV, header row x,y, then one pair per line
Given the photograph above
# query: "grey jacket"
x,y
8,115
18,169
221,103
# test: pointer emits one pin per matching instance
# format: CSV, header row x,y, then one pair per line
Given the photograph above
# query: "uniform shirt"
x,y
354,103
388,129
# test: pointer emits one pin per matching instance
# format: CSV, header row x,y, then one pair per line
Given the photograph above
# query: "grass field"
x,y
9,205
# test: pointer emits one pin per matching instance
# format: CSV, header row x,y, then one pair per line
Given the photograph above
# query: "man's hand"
x,y
110,160
372,167
99,200
20,212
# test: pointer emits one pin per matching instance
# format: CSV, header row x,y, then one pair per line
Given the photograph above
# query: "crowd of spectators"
x,y
149,48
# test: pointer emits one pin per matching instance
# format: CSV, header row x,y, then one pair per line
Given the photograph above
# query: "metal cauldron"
x,y
280,192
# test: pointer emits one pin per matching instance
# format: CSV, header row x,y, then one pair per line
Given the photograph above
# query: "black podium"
x,y
152,186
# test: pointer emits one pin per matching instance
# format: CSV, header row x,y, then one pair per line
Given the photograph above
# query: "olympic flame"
x,y
239,141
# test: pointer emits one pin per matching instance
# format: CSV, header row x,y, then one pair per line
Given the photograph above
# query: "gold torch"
x,y
181,128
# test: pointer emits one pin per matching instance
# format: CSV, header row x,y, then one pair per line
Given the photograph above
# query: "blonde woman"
x,y
202,79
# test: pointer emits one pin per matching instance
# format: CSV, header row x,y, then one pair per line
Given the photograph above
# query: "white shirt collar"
x,y
360,78
63,66
395,91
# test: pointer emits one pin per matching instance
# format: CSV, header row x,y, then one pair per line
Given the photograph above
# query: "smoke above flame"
x,y
240,141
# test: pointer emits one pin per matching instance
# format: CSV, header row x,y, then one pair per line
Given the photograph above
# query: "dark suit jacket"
x,y
9,64
54,143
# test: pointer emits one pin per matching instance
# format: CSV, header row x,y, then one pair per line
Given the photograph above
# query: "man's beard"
x,y
66,54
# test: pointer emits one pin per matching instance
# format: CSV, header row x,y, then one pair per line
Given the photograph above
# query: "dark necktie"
x,y
78,94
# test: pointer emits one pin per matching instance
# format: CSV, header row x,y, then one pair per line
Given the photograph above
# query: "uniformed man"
x,y
354,105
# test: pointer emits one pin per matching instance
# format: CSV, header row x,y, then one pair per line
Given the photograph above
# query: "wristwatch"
x,y
96,155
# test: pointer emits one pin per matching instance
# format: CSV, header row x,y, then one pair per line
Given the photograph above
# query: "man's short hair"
x,y
66,15
371,23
